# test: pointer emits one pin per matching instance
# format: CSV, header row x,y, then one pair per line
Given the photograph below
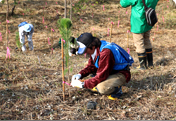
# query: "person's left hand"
x,y
77,83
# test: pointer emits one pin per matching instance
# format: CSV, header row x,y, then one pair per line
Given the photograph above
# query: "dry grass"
x,y
31,82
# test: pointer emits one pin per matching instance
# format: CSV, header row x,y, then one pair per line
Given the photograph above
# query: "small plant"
x,y
16,2
65,25
64,28
3,1
18,43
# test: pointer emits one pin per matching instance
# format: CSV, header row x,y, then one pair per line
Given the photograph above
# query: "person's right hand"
x,y
76,77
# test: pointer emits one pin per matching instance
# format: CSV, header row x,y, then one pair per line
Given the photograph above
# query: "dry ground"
x,y
31,82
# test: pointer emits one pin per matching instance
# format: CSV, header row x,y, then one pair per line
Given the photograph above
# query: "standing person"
x,y
26,29
141,30
110,69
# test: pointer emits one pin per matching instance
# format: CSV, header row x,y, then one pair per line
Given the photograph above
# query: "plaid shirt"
x,y
106,63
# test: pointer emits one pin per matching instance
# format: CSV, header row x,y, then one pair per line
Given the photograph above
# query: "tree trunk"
x,y
65,10
173,3
70,9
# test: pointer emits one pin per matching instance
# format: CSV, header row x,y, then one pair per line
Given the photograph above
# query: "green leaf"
x,y
71,69
18,43
65,23
65,71
3,1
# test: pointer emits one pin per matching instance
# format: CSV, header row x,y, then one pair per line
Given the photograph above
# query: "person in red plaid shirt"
x,y
107,80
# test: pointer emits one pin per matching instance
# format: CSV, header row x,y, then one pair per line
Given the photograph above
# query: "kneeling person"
x,y
109,77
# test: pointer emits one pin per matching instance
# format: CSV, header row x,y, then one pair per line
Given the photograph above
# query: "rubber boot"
x,y
94,89
116,94
142,61
149,58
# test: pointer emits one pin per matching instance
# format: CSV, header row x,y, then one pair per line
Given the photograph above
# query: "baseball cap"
x,y
27,28
84,40
22,23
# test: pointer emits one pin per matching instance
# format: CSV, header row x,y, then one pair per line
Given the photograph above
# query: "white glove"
x,y
23,48
76,77
77,83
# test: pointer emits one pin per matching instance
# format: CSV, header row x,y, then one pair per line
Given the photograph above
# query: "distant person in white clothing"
x,y
26,29
174,1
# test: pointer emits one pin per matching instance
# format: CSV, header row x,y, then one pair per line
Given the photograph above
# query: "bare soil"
x,y
31,83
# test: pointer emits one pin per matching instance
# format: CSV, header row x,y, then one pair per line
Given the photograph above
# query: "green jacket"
x,y
138,20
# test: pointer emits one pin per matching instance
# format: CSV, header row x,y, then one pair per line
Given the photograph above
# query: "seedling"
x,y
64,28
18,44
3,1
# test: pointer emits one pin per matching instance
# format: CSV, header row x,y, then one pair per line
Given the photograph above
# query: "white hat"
x,y
27,28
